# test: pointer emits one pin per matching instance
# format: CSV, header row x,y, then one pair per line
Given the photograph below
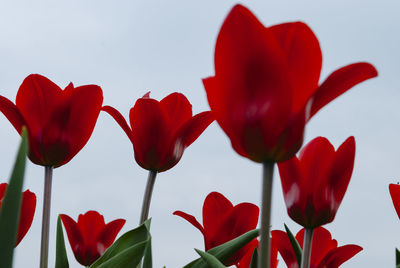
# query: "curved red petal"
x,y
3,188
28,207
110,232
193,128
119,119
80,114
394,190
191,219
339,82
282,243
245,261
73,232
178,110
11,112
304,58
90,225
338,256
215,208
150,134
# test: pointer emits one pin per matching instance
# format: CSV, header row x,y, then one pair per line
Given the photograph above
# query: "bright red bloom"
x,y
325,252
223,222
314,183
90,236
394,190
266,84
59,122
28,206
246,260
161,130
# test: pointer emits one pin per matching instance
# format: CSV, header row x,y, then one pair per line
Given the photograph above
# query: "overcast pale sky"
x,y
131,47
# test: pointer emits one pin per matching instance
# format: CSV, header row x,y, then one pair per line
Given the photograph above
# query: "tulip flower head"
x,y
160,131
325,252
59,122
90,236
28,206
394,190
266,84
223,222
314,183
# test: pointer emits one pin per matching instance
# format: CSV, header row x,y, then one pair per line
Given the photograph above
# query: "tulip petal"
x,y
215,208
191,219
282,243
150,133
394,190
178,110
74,234
304,59
339,82
91,224
119,119
194,127
28,206
338,256
110,232
12,113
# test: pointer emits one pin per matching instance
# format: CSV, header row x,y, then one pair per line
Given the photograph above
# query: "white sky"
x,y
130,47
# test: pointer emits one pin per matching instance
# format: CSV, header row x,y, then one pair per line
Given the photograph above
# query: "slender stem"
x,y
44,248
268,173
147,196
307,245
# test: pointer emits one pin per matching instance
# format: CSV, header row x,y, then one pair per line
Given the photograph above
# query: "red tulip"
x,y
325,252
314,183
90,236
266,84
161,130
394,190
28,206
59,122
246,260
223,222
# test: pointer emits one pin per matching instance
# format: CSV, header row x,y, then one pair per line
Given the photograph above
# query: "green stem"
x,y
268,173
147,196
307,246
44,247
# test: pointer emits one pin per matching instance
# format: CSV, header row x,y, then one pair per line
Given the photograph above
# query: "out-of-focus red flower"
x,y
223,222
325,252
161,130
266,84
246,260
394,190
28,206
90,236
314,183
59,122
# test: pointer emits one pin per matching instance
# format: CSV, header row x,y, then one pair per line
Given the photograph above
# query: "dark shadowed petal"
x,y
215,207
178,110
339,82
80,114
110,232
282,243
394,190
304,58
190,219
338,256
28,206
74,234
12,113
119,119
150,133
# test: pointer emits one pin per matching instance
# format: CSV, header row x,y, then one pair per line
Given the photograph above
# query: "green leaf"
x,y
397,258
128,258
254,259
129,245
10,210
295,245
210,259
61,252
224,251
148,258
